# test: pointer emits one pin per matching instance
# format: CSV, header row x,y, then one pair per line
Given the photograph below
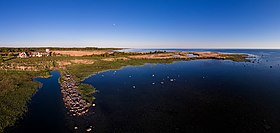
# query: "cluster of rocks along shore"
x,y
71,97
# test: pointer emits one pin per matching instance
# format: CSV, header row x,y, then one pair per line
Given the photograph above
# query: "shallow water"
x,y
186,96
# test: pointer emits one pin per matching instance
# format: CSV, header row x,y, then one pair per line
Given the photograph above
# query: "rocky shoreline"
x,y
72,99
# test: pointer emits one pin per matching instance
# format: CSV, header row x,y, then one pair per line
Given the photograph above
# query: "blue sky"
x,y
141,23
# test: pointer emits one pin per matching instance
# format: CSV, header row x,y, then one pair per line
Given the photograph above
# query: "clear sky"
x,y
141,23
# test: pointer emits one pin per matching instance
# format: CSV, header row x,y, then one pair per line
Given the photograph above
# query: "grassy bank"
x,y
86,91
16,89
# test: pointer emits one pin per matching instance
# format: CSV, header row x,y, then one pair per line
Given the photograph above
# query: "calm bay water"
x,y
186,96
191,96
46,111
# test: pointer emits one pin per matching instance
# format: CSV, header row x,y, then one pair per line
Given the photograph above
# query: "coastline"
x,y
82,70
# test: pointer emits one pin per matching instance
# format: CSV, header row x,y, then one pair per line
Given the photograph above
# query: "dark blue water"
x,y
46,111
191,96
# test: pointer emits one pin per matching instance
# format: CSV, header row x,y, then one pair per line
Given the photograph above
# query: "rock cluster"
x,y
71,97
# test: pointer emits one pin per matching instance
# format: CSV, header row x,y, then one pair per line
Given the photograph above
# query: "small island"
x,y
18,66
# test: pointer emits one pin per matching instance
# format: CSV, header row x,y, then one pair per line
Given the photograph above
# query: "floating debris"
x,y
93,104
153,83
134,87
172,80
162,82
153,75
75,128
88,130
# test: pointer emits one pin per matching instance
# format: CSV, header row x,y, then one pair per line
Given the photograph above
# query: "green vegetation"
x,y
1,58
16,88
236,57
87,91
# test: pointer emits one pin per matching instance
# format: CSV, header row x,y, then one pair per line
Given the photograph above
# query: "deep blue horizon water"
x,y
185,96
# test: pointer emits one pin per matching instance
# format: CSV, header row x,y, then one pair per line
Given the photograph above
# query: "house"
x,y
35,54
39,54
23,55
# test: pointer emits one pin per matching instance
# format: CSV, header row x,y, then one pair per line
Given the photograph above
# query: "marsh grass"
x,y
87,92
16,89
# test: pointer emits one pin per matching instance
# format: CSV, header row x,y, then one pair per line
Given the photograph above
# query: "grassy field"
x,y
17,87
